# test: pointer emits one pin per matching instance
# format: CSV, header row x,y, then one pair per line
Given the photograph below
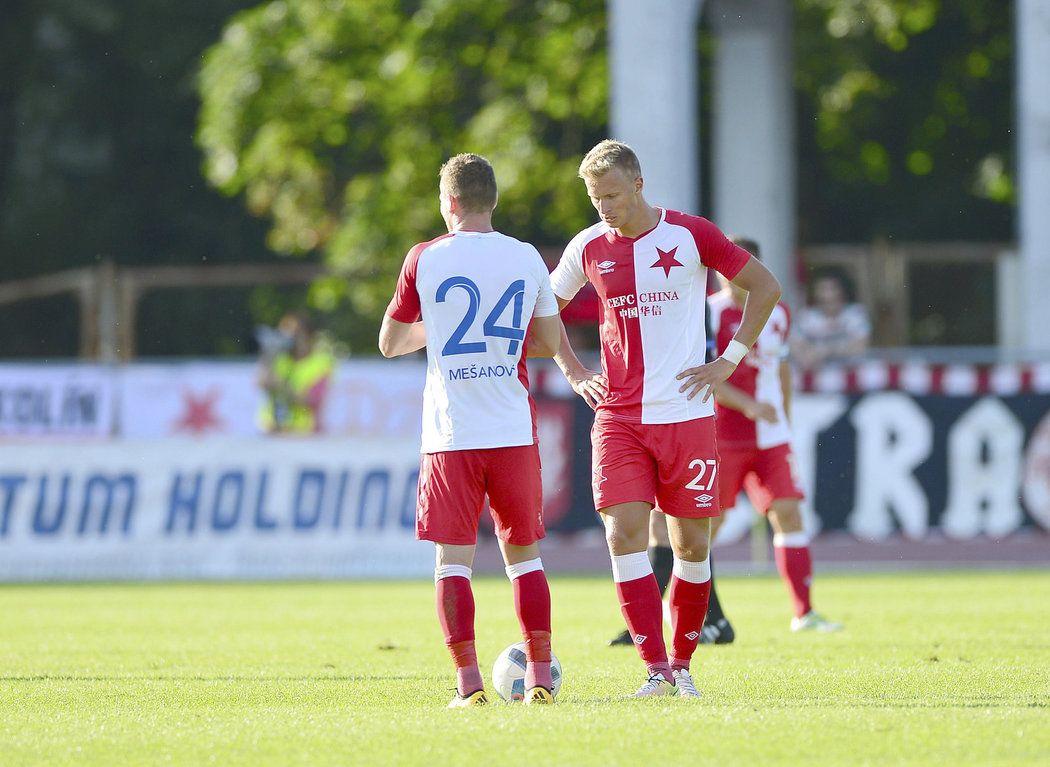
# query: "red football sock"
x,y
455,604
532,602
642,610
796,569
689,599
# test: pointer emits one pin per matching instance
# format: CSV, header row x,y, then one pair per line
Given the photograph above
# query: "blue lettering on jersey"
x,y
480,371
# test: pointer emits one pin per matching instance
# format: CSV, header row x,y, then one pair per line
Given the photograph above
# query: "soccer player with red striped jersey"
x,y
754,443
483,298
653,441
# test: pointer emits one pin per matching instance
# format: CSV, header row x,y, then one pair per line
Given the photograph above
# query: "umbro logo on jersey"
x,y
606,266
693,636
703,501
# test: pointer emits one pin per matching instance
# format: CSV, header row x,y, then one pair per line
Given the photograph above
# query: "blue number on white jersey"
x,y
515,292
455,344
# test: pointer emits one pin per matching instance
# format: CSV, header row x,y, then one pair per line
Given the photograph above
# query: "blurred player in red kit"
x,y
653,441
754,444
486,302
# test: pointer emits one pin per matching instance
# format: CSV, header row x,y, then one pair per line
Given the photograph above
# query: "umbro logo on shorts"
x,y
703,501
693,636
606,266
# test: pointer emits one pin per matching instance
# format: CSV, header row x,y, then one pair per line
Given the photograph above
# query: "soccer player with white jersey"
x,y
754,444
653,441
486,303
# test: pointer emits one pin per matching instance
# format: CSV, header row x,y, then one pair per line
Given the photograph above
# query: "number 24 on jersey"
x,y
515,293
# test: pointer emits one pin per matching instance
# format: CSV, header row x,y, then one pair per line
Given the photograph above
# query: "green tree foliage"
x,y
906,118
97,111
332,118
329,118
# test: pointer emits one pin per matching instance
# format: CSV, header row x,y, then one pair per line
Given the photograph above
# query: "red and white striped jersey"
x,y
477,293
652,290
757,375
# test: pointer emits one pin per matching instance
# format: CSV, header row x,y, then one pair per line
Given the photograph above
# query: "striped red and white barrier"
x,y
914,377
920,378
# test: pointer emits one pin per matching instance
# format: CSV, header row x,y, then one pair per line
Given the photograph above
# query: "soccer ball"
x,y
508,673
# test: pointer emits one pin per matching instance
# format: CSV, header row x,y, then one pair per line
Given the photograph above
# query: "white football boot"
x,y
684,682
813,621
654,687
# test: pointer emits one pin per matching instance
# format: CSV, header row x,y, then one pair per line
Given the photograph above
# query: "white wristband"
x,y
735,352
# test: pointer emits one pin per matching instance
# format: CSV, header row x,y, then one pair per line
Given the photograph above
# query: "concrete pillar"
x,y
754,129
653,63
1033,168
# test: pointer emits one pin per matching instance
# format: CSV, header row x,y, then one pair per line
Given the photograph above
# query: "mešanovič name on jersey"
x,y
473,372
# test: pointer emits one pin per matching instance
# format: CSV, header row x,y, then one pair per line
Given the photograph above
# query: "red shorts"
x,y
453,486
670,465
767,475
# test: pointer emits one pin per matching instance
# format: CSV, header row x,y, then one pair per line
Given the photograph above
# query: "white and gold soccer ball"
x,y
508,673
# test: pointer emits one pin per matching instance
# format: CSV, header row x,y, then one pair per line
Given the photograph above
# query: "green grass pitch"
x,y
939,669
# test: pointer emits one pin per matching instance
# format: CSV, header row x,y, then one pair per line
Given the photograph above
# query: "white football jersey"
x,y
476,293
757,375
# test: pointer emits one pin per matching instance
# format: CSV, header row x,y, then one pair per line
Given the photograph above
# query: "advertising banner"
x,y
55,401
875,463
215,508
367,398
188,399
891,463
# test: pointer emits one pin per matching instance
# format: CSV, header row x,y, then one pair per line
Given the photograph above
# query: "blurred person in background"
x,y
753,428
479,302
833,327
295,373
752,414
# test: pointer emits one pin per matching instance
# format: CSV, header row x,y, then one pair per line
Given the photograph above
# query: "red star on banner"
x,y
666,261
198,415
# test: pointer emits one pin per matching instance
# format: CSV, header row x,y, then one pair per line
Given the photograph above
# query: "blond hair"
x,y
470,179
609,154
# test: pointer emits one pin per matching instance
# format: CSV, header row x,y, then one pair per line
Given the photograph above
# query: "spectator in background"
x,y
834,326
295,375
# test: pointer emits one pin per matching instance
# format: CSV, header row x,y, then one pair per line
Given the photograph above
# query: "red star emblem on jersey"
x,y
666,261
199,413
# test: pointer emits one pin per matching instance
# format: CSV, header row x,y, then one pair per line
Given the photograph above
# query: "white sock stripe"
x,y
798,540
524,568
451,571
693,572
631,567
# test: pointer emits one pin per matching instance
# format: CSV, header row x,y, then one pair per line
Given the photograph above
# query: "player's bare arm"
x,y
589,384
397,338
544,337
737,399
763,292
786,387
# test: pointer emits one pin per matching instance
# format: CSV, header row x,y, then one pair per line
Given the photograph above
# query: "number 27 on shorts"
x,y
702,467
